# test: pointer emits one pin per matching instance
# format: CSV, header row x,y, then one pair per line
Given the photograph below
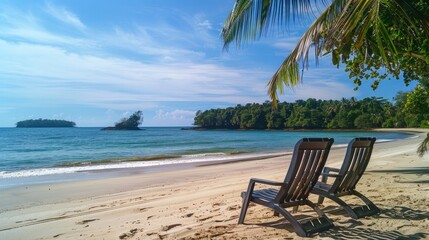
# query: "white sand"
x,y
204,203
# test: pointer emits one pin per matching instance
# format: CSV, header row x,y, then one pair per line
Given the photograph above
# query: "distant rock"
x,y
130,123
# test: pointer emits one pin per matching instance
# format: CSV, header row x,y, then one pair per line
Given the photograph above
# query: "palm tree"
x,y
378,33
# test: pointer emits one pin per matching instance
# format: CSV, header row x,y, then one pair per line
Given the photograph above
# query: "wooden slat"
x,y
310,175
323,157
354,165
298,181
304,159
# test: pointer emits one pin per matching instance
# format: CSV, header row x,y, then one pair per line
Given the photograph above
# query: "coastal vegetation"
x,y
319,114
374,39
41,123
130,123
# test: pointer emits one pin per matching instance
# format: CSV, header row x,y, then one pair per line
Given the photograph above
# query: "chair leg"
x,y
324,180
315,208
295,224
295,209
320,200
343,204
246,200
367,201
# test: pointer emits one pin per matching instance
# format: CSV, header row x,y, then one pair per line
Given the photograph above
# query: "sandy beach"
x,y
204,202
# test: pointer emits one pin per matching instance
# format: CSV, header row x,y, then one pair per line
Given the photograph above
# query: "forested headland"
x,y
321,114
41,123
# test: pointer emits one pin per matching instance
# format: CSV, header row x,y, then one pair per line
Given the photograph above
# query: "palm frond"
x,y
288,73
423,147
250,19
343,27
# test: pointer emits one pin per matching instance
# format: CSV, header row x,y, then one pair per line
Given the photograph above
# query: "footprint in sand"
x,y
188,215
232,208
28,220
217,204
87,221
206,218
183,209
168,227
129,234
144,209
104,205
229,219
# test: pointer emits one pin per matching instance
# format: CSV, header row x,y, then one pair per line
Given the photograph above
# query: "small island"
x,y
44,123
131,123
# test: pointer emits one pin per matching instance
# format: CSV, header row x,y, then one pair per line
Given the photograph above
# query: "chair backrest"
x,y
308,159
355,162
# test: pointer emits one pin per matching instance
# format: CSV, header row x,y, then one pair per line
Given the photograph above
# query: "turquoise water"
x,y
42,151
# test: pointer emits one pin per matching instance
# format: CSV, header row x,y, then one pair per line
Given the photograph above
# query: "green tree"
x,y
398,113
372,34
246,120
132,122
418,101
363,121
41,123
366,35
275,120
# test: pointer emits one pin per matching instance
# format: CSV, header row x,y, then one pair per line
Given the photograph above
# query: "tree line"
x,y
373,112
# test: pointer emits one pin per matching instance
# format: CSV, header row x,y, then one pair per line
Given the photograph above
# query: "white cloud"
x,y
200,29
64,16
54,73
38,65
6,109
287,44
58,116
146,41
28,28
175,115
322,83
51,73
205,24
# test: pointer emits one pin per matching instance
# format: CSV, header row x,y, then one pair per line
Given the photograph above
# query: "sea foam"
x,y
193,158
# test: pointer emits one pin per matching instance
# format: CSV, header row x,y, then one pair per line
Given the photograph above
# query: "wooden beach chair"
x,y
355,162
308,159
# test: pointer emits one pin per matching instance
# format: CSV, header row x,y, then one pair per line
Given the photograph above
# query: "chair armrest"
x,y
330,175
258,180
325,173
330,169
268,182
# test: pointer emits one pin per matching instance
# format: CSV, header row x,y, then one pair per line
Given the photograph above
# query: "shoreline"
x,y
106,165
204,202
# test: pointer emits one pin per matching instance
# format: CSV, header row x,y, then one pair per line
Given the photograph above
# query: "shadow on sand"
x,y
346,233
417,170
355,229
403,213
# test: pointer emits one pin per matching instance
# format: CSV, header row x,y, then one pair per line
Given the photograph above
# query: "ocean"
x,y
29,152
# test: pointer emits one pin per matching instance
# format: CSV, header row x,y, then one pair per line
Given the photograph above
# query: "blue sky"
x,y
94,62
